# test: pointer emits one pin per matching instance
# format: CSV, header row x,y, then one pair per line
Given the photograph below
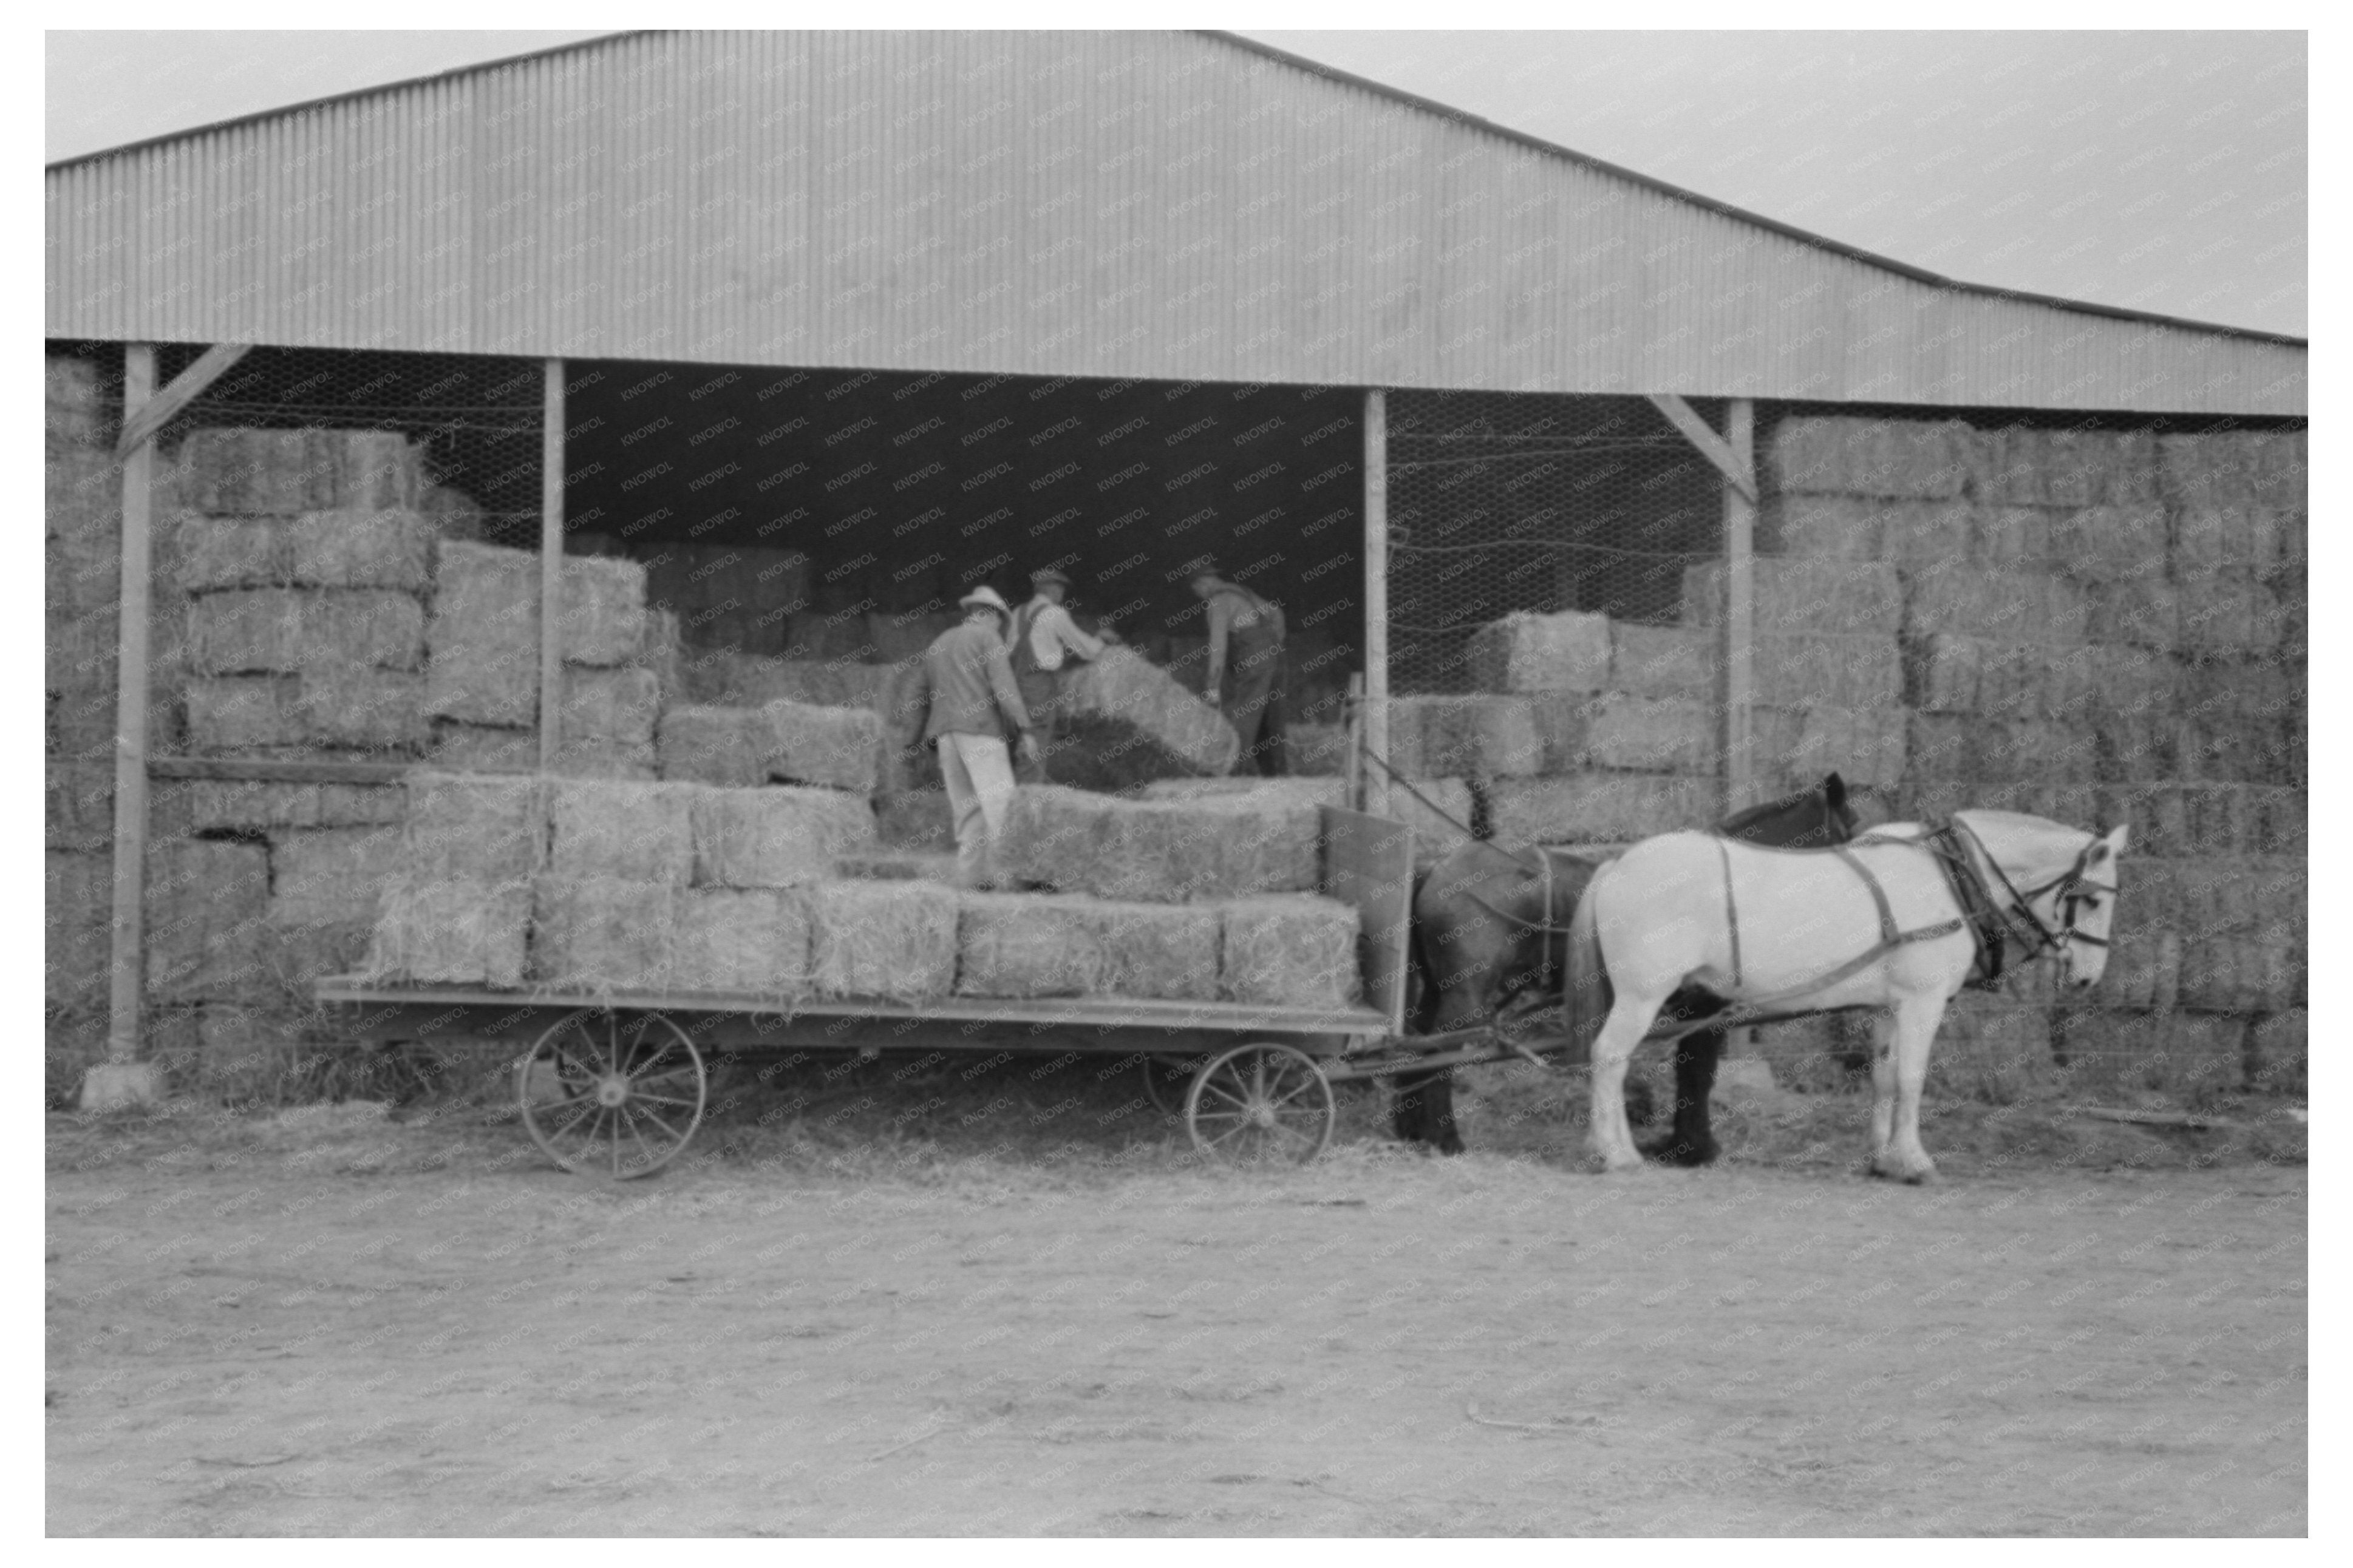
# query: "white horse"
x,y
1895,922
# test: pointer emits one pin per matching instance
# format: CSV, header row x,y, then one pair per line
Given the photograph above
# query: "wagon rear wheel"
x,y
1261,1105
608,1097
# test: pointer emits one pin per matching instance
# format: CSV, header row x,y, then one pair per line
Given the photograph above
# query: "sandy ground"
x,y
336,1326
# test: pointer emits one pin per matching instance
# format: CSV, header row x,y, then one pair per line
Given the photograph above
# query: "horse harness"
x,y
1990,923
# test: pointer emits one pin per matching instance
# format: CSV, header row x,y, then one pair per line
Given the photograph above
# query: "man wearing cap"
x,y
1044,638
965,689
1250,628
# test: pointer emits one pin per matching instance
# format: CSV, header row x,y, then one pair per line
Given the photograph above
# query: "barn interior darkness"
x,y
904,490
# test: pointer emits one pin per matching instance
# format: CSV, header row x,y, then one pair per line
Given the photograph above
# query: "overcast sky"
x,y
2164,171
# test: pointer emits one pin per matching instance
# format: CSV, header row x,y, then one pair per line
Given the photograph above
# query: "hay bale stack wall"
x,y
2094,626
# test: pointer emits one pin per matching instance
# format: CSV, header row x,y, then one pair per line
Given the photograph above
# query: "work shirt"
x,y
964,685
1050,637
1250,624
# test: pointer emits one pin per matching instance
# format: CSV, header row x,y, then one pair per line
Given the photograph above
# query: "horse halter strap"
x,y
2044,938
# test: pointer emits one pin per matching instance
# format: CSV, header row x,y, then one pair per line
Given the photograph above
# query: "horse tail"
x,y
1585,992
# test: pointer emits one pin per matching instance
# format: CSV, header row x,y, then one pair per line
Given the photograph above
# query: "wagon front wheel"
x,y
1165,1082
1261,1105
610,1097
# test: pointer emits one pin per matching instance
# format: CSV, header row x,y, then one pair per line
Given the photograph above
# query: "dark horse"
x,y
1489,926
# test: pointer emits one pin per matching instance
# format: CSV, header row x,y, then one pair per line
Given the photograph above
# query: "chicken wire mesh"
x,y
472,425
1502,502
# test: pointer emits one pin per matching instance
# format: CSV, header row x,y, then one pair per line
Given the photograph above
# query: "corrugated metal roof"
x,y
1173,206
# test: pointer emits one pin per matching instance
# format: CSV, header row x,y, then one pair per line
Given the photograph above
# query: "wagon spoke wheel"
x,y
1164,1079
610,1097
1261,1105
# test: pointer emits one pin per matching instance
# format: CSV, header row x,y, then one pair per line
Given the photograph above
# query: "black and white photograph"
x,y
978,779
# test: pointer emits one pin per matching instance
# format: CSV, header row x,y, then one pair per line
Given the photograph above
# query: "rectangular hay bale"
x,y
385,549
1027,944
1166,952
482,638
1160,851
889,939
1598,808
1652,734
1793,593
773,836
460,825
1298,951
1132,721
2002,607
835,748
608,723
220,553
621,829
710,746
1528,652
752,940
603,934
1663,661
1851,455
461,932
323,875
601,619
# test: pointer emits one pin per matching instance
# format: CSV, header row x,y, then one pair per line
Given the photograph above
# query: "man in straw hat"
x,y
1250,628
1043,640
965,687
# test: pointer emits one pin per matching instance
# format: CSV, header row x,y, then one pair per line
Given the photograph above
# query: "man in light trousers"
x,y
965,687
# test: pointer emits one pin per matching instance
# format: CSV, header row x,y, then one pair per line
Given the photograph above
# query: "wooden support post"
x,y
551,567
1376,597
186,388
1739,604
124,1022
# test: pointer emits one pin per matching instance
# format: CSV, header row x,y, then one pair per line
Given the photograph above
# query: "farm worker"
x,y
1044,638
965,687
1251,628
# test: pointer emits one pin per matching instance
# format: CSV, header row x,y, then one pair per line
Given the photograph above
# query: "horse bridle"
x,y
2073,889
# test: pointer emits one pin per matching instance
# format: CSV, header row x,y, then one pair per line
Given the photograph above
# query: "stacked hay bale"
x,y
482,687
2097,626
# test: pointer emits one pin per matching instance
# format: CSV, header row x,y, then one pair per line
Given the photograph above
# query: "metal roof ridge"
x,y
1822,241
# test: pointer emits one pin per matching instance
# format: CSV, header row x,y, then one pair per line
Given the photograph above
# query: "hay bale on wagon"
x,y
460,825
600,934
1167,953
752,940
1027,944
621,829
1159,851
775,836
1528,652
1295,951
1128,721
894,938
459,932
835,748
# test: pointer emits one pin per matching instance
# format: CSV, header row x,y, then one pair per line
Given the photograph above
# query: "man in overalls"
x,y
1250,630
1042,640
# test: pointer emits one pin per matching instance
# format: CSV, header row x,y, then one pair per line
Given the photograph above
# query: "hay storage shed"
x,y
1625,506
